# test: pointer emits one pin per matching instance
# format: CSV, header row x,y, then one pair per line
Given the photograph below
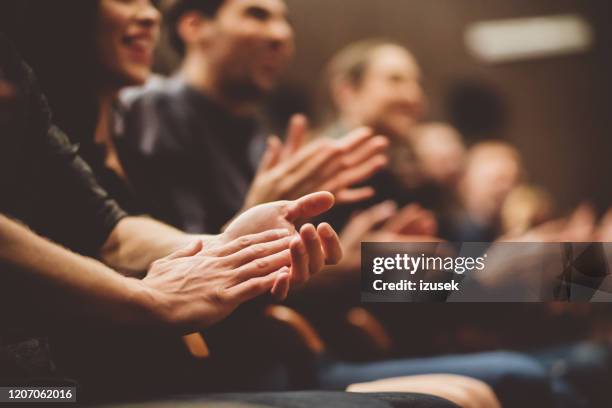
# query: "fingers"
x,y
402,221
308,173
359,156
280,288
296,134
367,220
316,257
192,249
330,243
249,240
351,157
355,138
263,266
257,286
356,174
272,154
354,195
300,269
258,251
309,206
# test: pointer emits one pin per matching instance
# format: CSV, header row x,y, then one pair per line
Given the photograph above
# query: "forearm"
x,y
93,288
136,242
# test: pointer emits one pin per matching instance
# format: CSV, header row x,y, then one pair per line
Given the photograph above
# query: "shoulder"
x,y
153,116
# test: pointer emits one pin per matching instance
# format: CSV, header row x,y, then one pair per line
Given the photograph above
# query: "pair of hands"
x,y
260,251
384,222
294,169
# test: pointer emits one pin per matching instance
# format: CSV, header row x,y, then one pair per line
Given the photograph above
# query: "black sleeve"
x,y
51,189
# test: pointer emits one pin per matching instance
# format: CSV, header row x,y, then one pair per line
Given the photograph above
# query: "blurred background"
x,y
554,108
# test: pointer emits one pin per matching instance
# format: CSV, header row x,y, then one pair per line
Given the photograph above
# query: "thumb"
x,y
309,206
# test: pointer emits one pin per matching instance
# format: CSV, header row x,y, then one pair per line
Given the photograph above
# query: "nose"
x,y
149,15
281,34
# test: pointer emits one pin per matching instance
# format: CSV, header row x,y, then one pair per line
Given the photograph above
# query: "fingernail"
x,y
309,231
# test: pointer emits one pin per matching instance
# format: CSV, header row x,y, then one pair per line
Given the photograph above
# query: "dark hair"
x,y
57,39
173,10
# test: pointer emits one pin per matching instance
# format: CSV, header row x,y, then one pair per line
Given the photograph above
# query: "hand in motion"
x,y
294,169
196,287
311,248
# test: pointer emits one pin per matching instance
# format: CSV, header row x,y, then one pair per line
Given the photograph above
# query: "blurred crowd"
x,y
194,151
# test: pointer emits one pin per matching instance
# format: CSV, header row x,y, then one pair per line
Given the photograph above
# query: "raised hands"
x,y
294,169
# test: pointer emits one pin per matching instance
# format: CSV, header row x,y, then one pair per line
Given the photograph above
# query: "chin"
x,y
134,76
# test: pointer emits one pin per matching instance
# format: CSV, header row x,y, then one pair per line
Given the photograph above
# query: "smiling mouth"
x,y
140,47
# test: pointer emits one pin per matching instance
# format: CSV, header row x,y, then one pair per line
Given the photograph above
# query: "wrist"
x,y
146,304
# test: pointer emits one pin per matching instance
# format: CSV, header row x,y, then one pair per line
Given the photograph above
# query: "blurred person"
x,y
377,83
493,169
440,155
205,121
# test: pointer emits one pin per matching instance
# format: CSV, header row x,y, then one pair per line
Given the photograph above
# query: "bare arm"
x,y
136,242
187,290
88,283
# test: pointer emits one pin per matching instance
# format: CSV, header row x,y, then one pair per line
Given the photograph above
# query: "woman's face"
x,y
126,34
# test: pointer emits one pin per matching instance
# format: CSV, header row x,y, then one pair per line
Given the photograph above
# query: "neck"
x,y
104,135
106,98
199,74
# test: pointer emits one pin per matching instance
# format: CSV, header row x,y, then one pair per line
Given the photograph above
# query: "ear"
x,y
193,28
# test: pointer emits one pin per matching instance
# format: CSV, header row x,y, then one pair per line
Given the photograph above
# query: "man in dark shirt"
x,y
202,156
192,144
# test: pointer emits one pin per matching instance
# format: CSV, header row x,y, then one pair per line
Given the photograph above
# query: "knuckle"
x,y
244,241
261,263
219,295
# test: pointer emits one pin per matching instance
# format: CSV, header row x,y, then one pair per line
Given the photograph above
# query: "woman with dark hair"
x,y
91,49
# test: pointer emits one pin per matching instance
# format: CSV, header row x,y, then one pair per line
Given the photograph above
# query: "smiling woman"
x,y
91,49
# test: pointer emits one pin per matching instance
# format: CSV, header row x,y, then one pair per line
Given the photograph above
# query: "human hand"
x,y
311,248
384,223
196,287
292,170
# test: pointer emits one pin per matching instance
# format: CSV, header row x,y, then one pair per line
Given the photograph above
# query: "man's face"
x,y
252,44
390,96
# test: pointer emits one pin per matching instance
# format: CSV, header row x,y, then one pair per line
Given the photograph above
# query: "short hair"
x,y
173,10
351,63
